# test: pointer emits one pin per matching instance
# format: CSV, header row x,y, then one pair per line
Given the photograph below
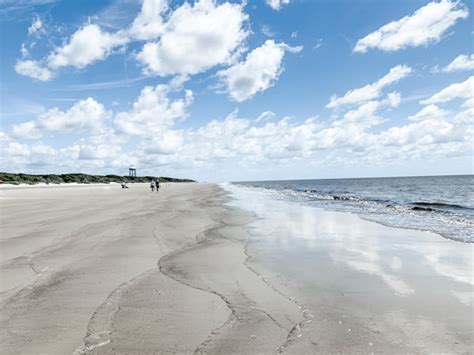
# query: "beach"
x,y
101,269
198,269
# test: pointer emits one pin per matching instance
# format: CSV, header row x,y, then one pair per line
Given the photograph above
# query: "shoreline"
x,y
451,225
188,270
382,289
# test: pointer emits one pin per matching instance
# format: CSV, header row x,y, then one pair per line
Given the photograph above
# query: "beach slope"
x,y
100,269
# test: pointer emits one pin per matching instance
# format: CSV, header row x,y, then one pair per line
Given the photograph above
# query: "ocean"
x,y
439,204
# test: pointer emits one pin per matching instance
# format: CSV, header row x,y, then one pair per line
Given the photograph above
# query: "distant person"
x,y
152,185
124,185
157,185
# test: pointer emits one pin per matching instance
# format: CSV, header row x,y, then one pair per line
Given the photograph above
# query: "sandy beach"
x,y
98,269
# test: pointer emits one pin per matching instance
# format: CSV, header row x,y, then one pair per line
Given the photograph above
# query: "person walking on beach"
x,y
157,185
152,185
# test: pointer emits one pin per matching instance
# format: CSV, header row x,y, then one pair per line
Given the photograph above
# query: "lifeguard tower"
x,y
132,171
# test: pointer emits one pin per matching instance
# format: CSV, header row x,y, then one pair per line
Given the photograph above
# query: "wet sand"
x,y
364,287
98,269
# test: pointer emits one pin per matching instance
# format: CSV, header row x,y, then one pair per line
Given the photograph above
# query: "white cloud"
x,y
84,115
352,129
265,116
428,112
426,25
153,112
188,39
86,151
469,103
85,46
463,90
424,132
277,4
104,147
149,22
24,51
216,140
19,156
90,43
350,139
36,25
235,137
196,38
27,130
267,30
33,70
370,91
363,116
319,43
165,143
102,152
394,99
12,151
460,63
257,72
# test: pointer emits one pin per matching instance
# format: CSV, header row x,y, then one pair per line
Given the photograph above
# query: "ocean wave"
x,y
440,205
449,220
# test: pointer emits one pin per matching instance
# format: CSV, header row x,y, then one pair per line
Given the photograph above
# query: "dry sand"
x,y
104,270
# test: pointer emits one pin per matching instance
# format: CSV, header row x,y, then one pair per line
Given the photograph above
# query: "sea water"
x,y
440,204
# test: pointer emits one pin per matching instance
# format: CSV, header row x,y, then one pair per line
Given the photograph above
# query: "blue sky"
x,y
230,90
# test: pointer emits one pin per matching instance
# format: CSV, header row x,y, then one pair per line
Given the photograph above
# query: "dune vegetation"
x,y
30,179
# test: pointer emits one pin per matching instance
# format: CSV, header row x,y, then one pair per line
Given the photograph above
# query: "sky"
x,y
237,90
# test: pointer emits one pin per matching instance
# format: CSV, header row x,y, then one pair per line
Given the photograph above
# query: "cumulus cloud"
x,y
18,156
149,22
429,133
257,72
421,133
363,116
27,130
91,43
153,112
196,37
85,46
236,137
101,148
428,112
351,130
96,152
426,25
166,143
33,69
394,99
188,39
370,91
460,63
218,139
463,90
277,4
84,115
